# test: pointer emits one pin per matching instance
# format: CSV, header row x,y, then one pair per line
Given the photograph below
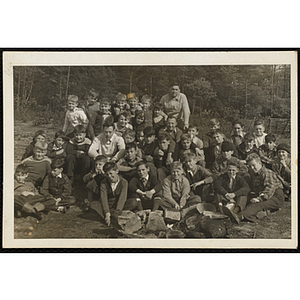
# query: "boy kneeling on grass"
x,y
113,194
57,187
266,192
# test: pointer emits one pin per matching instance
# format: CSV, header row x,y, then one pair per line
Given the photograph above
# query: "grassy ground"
x,y
78,224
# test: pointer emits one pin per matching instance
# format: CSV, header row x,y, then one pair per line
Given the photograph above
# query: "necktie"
x,y
144,181
231,182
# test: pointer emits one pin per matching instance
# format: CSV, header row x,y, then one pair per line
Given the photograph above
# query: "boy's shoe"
x,y
262,214
62,209
39,216
232,215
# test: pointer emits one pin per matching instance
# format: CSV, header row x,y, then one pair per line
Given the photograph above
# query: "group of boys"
x,y
133,158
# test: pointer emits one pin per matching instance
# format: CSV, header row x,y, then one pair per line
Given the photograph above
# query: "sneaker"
x,y
232,215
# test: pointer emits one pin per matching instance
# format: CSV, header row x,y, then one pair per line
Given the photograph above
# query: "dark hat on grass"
x,y
227,146
284,146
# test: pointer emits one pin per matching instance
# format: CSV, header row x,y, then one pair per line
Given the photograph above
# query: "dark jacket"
x,y
73,147
51,153
241,151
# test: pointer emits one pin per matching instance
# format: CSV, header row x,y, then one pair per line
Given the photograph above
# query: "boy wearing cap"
x,y
145,188
77,153
266,192
220,164
38,164
282,167
176,189
58,148
231,190
57,187
39,136
74,116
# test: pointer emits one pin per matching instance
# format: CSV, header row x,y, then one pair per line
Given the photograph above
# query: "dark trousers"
x,y
240,201
82,163
152,204
191,201
273,204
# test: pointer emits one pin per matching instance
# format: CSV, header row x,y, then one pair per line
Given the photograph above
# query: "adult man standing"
x,y
176,104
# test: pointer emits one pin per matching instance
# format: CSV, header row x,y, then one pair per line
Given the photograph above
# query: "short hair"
x,y
253,156
139,113
186,136
172,117
22,169
249,137
175,84
61,134
101,158
216,131
109,122
93,92
149,131
105,101
238,122
163,135
121,97
176,165
232,163
270,138
109,166
129,132
259,122
193,127
190,155
214,122
132,96
158,106
39,132
124,114
79,129
146,98
41,145
131,145
57,163
73,98
142,162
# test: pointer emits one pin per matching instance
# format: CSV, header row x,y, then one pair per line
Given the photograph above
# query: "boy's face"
x,y
131,154
193,132
249,144
271,145
121,104
140,119
214,127
59,141
218,138
40,138
171,124
112,175
108,132
79,137
140,136
157,112
55,172
72,105
175,91
282,154
255,165
146,104
231,170
164,145
21,177
259,130
104,108
143,171
237,129
186,144
133,102
227,154
149,139
128,138
123,121
39,154
190,163
176,173
91,99
99,166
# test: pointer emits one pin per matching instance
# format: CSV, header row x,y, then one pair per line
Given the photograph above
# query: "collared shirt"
x,y
59,175
74,118
114,185
176,106
260,140
144,180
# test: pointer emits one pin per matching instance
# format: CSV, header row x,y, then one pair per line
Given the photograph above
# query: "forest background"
x,y
244,92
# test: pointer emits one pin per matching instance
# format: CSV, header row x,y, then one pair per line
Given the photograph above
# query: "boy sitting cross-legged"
x,y
176,189
38,164
77,154
57,187
231,191
113,194
266,190
145,188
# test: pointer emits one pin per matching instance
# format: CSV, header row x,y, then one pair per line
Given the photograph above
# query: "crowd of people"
x,y
133,154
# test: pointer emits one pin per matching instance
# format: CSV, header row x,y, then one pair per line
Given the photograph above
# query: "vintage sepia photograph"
x,y
143,149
